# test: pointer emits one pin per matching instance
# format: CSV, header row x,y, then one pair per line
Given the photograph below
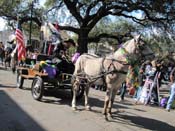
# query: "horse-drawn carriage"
x,y
42,80
110,70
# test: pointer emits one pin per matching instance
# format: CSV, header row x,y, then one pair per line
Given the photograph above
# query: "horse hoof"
x,y
104,112
74,108
109,117
88,108
105,117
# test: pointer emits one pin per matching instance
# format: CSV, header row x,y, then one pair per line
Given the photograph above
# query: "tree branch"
x,y
119,38
92,5
54,7
10,17
131,6
100,14
72,8
35,19
69,28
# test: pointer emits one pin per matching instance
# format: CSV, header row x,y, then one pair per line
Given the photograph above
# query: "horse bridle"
x,y
126,54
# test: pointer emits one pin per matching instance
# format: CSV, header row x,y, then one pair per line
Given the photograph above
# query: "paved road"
x,y
19,112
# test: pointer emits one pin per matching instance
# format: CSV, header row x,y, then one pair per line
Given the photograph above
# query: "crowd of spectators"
x,y
144,82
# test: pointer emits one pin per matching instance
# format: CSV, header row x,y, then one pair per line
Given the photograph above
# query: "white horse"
x,y
106,70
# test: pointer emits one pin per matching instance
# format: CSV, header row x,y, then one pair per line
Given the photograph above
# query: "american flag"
x,y
20,42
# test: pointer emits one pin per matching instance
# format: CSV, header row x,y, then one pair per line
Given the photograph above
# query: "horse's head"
x,y
142,50
133,50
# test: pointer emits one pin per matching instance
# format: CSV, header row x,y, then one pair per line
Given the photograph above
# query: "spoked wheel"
x,y
37,88
80,92
19,81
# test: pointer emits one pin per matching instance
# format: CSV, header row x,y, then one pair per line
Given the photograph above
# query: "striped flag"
x,y
20,43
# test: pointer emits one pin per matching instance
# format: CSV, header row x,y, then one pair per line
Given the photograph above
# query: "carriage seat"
x,y
29,62
43,57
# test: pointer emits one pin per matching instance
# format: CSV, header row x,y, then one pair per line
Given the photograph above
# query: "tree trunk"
x,y
82,42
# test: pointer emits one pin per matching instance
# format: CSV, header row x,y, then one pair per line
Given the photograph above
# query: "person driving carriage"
x,y
60,52
61,48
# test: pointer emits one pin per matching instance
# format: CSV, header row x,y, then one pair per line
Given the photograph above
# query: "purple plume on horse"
x,y
75,57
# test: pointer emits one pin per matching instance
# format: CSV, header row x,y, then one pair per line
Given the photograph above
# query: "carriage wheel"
x,y
37,88
80,92
19,81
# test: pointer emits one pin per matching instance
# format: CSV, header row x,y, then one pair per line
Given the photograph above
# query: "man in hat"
x,y
60,53
61,48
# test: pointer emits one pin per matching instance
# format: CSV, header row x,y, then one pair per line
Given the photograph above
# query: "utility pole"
x,y
30,33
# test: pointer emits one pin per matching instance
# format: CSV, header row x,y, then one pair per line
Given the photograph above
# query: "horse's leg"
x,y
111,101
74,89
107,97
87,106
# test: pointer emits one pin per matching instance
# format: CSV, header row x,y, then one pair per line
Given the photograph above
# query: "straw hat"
x,y
70,41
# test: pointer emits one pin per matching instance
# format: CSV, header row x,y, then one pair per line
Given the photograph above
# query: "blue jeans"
x,y
171,98
123,90
137,93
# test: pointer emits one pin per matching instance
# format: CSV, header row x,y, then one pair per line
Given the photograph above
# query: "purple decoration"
x,y
75,57
163,102
120,46
50,70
